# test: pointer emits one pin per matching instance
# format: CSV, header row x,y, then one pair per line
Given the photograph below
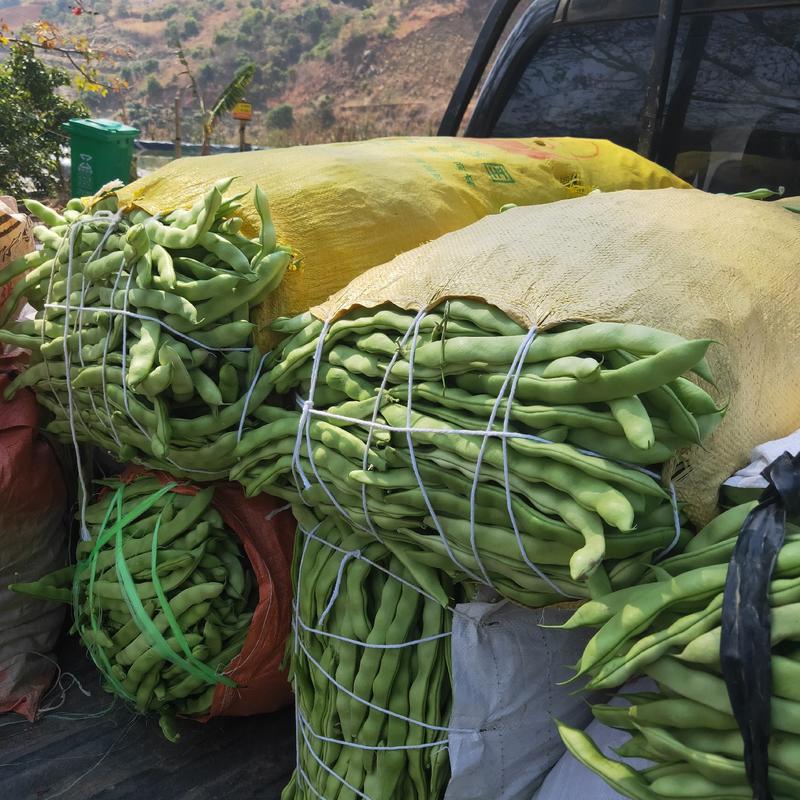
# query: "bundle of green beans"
x,y
370,659
162,596
670,630
403,439
142,338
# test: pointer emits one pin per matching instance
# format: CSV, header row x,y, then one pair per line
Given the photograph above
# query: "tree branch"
x,y
68,52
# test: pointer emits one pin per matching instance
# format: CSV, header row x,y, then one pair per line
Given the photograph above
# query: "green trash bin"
x,y
101,150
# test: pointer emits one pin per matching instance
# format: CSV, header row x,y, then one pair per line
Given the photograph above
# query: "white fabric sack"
x,y
506,670
760,458
570,780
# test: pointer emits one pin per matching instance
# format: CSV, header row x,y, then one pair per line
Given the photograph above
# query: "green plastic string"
x,y
208,674
105,533
142,618
96,652
189,664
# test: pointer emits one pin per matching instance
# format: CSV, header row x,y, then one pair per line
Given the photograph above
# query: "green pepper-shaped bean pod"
x,y
182,384
267,234
143,353
224,251
174,238
47,215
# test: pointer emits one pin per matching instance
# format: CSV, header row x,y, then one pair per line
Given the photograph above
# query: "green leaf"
x,y
758,194
233,93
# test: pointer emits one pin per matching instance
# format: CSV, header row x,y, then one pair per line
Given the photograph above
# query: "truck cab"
x,y
706,88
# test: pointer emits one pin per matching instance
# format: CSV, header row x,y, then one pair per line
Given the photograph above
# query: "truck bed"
x,y
119,755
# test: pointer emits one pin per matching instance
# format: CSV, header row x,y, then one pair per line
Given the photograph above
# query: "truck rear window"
x,y
732,120
586,80
732,117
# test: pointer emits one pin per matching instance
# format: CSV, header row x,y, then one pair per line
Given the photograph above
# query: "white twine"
x,y
43,336
306,538
344,513
79,317
673,497
174,331
370,431
247,397
303,727
497,434
304,433
324,766
397,646
308,405
312,535
373,748
302,773
516,366
60,686
337,586
106,345
124,381
434,517
503,435
299,624
276,511
83,493
388,712
517,369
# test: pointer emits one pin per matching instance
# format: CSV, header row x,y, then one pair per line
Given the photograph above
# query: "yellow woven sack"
x,y
699,265
347,207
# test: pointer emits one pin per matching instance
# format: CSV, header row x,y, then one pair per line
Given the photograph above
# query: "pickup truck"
x,y
707,88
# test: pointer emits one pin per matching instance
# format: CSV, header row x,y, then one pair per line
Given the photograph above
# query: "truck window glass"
x,y
585,80
732,119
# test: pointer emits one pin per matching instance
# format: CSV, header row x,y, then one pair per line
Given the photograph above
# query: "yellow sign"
x,y
243,111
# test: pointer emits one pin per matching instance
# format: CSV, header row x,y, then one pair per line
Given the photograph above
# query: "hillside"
x,y
347,69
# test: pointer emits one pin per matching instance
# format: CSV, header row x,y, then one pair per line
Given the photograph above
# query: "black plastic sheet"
x,y
745,647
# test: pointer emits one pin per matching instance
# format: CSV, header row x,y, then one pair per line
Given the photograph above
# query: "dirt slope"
x,y
347,69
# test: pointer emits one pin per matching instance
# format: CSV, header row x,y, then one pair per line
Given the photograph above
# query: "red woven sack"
x,y
33,512
267,535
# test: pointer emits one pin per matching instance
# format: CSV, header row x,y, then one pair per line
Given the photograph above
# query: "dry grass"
x,y
152,30
391,85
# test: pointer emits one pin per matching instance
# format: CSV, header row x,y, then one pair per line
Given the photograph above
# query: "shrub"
x,y
172,33
190,27
153,86
323,111
169,10
252,17
293,48
281,117
206,73
356,42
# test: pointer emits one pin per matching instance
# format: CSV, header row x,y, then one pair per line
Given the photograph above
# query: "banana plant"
x,y
232,94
